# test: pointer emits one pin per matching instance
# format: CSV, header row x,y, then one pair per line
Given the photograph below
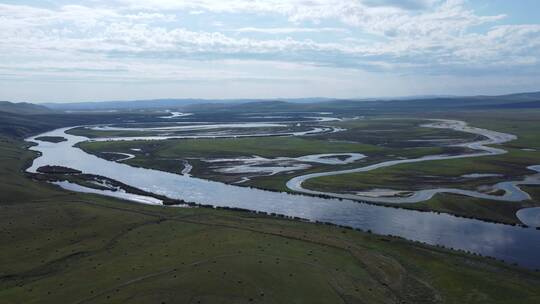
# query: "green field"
x,y
394,132
501,212
231,147
512,166
380,140
433,174
166,155
90,133
62,247
446,173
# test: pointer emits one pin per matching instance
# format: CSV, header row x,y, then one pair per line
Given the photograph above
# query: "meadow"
x,y
59,246
523,152
380,138
166,155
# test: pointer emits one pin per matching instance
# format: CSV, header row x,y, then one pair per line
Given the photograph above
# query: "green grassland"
x,y
51,139
524,124
90,133
166,155
446,173
62,247
501,212
231,147
393,132
432,174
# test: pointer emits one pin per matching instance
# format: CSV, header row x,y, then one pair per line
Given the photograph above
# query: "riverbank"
x,y
430,228
437,169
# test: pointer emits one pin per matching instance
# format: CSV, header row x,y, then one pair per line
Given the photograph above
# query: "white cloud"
x,y
403,4
388,18
103,40
290,30
439,35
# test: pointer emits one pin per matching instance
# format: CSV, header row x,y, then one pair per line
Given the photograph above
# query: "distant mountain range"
x,y
517,100
23,108
520,100
22,119
162,103
127,105
513,101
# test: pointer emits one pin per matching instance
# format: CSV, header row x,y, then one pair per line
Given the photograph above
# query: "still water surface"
x,y
513,244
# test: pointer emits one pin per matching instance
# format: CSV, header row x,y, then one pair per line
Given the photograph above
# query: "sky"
x,y
91,50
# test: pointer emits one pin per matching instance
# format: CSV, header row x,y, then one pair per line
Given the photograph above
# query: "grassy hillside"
x,y
23,108
16,125
380,106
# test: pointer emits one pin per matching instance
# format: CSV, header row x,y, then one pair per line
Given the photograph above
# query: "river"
x,y
510,243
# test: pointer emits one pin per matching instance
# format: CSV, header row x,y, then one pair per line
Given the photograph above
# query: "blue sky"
x,y
62,50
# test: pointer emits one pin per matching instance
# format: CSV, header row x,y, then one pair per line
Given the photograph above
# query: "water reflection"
x,y
511,190
513,244
529,216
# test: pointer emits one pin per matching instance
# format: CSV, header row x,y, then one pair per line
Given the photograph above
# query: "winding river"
x,y
512,192
510,243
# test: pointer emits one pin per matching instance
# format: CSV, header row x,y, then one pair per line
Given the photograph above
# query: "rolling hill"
x,y
23,108
519,100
